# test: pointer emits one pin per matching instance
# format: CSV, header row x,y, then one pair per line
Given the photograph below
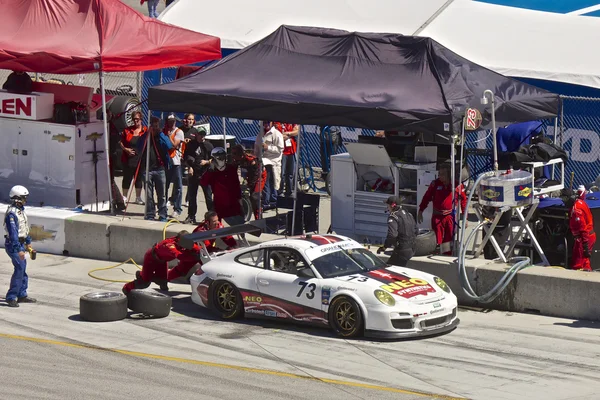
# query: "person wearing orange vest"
x,y
442,220
288,161
581,224
174,173
156,269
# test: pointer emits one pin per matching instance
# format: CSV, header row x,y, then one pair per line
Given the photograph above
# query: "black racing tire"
x,y
226,300
247,208
345,317
122,104
103,306
149,302
425,244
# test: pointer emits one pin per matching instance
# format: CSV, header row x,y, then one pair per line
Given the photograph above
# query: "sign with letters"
x,y
34,106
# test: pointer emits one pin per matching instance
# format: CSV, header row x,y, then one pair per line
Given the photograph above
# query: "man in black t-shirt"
x,y
197,159
189,133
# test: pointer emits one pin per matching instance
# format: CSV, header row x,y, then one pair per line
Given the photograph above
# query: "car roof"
x,y
304,242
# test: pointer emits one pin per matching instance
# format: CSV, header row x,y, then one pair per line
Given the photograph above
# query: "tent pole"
x,y
225,134
296,181
453,180
148,144
261,169
106,143
462,155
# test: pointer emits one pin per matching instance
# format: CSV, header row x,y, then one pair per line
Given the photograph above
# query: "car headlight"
x,y
443,285
385,297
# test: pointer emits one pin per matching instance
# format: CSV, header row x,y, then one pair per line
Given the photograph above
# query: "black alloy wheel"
x,y
227,300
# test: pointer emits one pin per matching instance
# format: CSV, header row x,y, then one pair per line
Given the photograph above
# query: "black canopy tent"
x,y
379,81
331,77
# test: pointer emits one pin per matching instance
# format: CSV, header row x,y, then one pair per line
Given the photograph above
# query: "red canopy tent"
x,y
81,36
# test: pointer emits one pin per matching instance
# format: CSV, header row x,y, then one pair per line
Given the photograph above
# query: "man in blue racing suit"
x,y
17,241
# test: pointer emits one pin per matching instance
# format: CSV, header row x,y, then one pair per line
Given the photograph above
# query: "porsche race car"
x,y
329,281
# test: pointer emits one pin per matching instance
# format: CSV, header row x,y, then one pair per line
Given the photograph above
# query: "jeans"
x,y
174,177
156,179
193,197
152,4
269,192
288,165
19,280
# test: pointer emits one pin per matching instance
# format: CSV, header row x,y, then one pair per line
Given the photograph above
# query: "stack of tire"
x,y
113,306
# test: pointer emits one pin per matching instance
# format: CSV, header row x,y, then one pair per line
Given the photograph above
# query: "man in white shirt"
x,y
269,143
174,173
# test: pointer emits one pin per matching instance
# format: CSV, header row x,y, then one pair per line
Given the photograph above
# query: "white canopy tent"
x,y
512,41
239,23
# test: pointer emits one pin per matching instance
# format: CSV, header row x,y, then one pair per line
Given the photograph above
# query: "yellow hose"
x,y
129,260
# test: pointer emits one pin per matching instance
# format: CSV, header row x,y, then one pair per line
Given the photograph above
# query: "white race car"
x,y
326,280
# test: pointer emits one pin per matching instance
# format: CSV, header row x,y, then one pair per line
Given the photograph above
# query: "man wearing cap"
x,y
581,223
402,233
197,159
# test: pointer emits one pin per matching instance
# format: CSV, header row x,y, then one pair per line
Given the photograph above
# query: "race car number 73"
x,y
310,293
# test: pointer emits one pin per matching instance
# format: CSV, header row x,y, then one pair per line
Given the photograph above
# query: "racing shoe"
x,y
26,299
162,283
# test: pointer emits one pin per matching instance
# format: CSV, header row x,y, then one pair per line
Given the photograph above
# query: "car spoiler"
x,y
188,241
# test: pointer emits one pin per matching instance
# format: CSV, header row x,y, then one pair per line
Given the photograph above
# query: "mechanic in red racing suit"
x,y
211,221
581,223
253,166
442,222
156,259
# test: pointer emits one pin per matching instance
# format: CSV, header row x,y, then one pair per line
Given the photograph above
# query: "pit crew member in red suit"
x,y
211,221
253,166
440,193
225,183
156,259
581,223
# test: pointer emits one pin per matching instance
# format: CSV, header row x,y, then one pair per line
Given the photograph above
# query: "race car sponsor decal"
x,y
260,304
316,252
325,295
401,285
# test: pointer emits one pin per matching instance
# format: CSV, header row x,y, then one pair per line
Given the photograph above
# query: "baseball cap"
x,y
171,116
202,131
393,200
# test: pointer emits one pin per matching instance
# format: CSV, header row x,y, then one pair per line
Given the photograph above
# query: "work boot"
x,y
12,303
27,299
162,283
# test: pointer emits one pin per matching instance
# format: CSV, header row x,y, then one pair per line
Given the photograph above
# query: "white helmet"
x,y
18,193
219,155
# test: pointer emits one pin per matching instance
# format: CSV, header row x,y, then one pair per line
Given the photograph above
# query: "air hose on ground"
x,y
520,263
90,273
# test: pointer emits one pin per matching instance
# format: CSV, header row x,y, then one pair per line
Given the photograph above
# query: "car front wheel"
x,y
345,317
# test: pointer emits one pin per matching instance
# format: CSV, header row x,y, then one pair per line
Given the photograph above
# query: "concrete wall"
x,y
547,291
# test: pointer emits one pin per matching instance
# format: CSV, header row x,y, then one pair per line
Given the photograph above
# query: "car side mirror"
x,y
304,273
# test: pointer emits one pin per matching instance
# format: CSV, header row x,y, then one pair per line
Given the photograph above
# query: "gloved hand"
x,y
380,250
586,250
420,217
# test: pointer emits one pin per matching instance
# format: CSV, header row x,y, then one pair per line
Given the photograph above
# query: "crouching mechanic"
x,y
16,241
402,233
581,223
211,222
156,268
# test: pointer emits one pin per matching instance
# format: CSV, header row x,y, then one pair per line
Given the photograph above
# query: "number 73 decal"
x,y
358,278
310,292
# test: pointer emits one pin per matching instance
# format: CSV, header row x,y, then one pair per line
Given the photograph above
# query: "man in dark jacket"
x,y
159,161
402,233
197,159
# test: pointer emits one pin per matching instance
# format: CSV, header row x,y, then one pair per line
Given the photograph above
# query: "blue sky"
x,y
557,6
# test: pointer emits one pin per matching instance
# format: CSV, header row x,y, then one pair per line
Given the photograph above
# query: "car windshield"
x,y
347,262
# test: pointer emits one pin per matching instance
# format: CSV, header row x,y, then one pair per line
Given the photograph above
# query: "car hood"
x,y
403,283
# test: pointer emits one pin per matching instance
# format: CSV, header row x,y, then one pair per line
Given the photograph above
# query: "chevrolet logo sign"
x,y
62,138
38,233
93,136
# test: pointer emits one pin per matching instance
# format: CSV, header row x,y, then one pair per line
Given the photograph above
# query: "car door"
x,y
288,287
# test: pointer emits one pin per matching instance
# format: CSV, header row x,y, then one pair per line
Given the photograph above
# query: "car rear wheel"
x,y
345,317
227,300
